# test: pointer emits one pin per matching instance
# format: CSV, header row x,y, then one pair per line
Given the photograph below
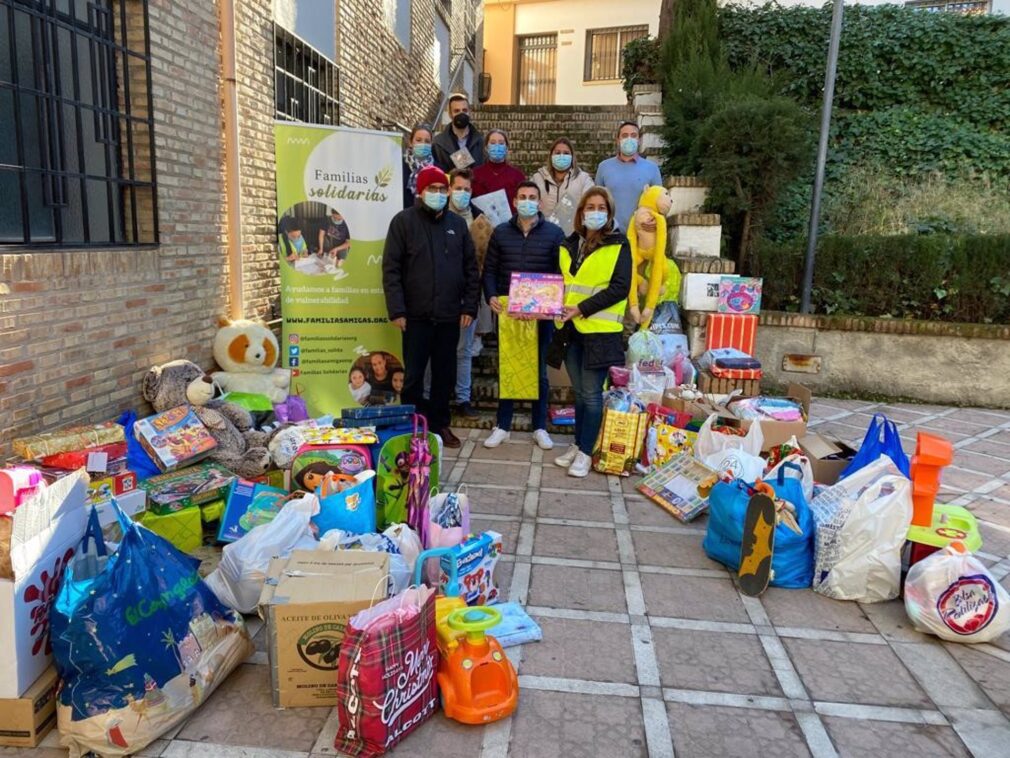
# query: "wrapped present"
x,y
70,438
196,485
737,330
184,528
518,374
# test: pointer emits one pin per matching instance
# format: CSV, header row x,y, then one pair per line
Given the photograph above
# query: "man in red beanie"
x,y
432,286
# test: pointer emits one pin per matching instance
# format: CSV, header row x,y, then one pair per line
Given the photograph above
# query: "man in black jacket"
x,y
459,133
429,274
527,243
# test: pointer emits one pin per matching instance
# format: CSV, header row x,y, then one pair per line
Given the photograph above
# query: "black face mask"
x,y
461,120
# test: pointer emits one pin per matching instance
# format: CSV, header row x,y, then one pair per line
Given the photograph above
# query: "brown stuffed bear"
x,y
240,448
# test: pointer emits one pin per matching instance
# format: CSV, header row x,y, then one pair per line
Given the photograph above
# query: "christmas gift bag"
x,y
139,642
386,685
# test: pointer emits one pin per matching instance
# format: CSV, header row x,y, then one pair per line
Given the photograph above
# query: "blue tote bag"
x,y
881,438
793,559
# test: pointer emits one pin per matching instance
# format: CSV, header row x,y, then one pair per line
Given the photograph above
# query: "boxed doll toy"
x,y
174,438
174,491
539,295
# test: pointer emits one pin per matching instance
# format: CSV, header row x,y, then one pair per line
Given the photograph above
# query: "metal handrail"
x,y
461,58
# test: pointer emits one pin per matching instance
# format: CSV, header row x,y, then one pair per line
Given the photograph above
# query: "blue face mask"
x,y
422,151
594,220
629,146
497,152
435,200
527,208
561,161
461,199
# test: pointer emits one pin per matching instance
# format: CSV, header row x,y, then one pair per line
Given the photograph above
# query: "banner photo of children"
x,y
376,379
314,238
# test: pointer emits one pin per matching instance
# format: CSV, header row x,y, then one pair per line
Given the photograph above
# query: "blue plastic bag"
x,y
352,510
881,438
793,558
137,458
137,633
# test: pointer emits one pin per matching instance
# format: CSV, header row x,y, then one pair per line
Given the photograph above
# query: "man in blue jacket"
x,y
432,287
527,243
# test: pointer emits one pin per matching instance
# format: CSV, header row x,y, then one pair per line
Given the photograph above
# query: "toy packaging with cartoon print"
x,y
174,438
475,563
176,490
538,295
249,504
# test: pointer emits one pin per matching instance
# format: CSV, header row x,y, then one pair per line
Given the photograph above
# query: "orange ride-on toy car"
x,y
477,680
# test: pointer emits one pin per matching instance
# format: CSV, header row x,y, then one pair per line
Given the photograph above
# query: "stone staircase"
x,y
532,129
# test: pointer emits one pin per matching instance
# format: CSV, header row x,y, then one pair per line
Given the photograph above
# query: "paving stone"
x,y
240,712
904,415
584,506
981,463
577,588
717,732
674,550
989,447
495,501
568,724
803,608
508,451
993,511
646,513
991,673
859,738
849,672
496,473
955,479
439,736
581,542
590,650
995,541
554,477
509,531
693,597
690,660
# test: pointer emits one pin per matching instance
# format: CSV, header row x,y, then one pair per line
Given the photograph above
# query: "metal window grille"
x,y
537,70
306,82
605,51
77,160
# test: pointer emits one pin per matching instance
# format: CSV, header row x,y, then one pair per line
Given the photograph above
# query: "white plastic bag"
x,y
805,474
951,594
407,540
862,523
238,579
649,385
741,456
644,346
338,539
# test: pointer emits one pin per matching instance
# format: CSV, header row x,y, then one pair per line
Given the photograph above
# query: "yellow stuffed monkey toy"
x,y
647,237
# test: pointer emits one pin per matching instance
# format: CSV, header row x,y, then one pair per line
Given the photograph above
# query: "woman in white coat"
x,y
562,184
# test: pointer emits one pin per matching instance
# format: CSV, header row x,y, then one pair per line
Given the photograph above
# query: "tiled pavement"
x,y
649,649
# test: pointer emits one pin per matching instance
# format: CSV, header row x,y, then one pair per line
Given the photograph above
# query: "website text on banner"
x,y
337,190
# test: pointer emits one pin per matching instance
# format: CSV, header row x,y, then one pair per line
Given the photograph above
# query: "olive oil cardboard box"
x,y
306,603
24,721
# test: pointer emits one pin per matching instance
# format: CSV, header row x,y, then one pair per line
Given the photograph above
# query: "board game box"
x,y
674,486
539,295
249,504
174,438
171,492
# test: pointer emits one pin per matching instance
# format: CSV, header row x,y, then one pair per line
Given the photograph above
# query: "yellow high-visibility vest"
x,y
593,276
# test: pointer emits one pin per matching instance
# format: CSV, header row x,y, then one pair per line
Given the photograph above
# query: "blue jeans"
x,y
587,384
468,349
506,408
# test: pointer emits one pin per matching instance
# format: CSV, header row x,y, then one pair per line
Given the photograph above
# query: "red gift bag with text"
x,y
386,685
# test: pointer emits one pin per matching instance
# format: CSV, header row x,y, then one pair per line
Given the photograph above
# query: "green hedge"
x,y
938,277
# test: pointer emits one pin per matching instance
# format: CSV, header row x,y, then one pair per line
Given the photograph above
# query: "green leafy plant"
x,y
641,63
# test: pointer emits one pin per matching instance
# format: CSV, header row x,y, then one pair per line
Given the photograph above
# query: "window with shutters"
x,y
605,50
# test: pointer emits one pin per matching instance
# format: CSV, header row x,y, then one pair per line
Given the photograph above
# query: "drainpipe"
x,y
232,182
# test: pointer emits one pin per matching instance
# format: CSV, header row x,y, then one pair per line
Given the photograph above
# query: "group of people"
x,y
446,269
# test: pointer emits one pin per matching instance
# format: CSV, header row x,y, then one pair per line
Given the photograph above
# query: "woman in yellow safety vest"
x,y
596,264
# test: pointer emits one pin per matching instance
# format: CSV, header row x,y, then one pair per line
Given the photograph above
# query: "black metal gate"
x,y
537,69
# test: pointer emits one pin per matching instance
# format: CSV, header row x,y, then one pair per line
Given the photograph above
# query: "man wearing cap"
x,y
432,287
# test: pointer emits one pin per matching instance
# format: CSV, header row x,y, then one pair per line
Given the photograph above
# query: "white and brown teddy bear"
x,y
240,448
247,353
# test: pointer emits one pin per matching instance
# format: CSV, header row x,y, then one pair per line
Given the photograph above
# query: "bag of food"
x,y
386,685
951,594
619,444
139,642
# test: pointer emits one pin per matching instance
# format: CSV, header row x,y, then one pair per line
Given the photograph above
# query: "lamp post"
x,y
822,155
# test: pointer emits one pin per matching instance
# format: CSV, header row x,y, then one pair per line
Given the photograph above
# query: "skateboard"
x,y
758,545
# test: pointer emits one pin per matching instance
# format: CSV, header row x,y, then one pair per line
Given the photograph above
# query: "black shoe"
x,y
467,411
449,439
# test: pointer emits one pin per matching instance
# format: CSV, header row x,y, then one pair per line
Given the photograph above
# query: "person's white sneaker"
x,y
580,466
543,439
497,437
565,459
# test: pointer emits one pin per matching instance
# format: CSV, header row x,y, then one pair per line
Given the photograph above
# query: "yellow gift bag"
x,y
619,445
518,377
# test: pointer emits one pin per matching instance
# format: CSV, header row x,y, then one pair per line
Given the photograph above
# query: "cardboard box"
x,y
714,385
26,720
101,488
307,601
700,292
828,458
131,503
45,533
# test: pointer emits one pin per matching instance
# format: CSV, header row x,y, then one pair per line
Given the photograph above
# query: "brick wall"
x,y
80,328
